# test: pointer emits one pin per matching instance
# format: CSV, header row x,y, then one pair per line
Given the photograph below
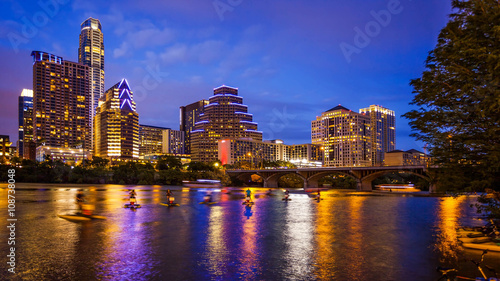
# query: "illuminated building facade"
x,y
25,135
383,128
160,141
304,155
61,101
91,53
116,124
231,151
224,117
411,157
5,151
70,156
189,115
344,136
173,142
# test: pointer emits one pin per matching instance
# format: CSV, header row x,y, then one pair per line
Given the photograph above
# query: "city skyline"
x,y
285,81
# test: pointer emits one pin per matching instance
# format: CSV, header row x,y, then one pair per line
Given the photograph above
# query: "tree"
x,y
169,162
458,98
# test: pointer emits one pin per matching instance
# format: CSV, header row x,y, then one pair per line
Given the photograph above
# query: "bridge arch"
x,y
246,178
313,180
365,182
272,180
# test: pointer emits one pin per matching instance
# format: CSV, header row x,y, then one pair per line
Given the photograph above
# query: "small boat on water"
x,y
202,183
80,217
170,204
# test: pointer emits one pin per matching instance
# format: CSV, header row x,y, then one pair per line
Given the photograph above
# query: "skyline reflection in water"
x,y
339,238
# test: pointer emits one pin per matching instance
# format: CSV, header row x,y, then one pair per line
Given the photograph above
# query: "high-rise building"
x,y
5,152
91,53
256,152
383,127
116,124
224,117
25,135
189,115
160,141
173,142
61,102
345,137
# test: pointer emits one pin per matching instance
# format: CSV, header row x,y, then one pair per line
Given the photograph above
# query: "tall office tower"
x,y
150,140
345,137
173,142
91,53
160,141
25,135
189,115
61,101
116,124
224,117
383,127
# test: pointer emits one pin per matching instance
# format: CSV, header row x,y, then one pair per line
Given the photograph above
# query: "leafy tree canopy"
x,y
458,97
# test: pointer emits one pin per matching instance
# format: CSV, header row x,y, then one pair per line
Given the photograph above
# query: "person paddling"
x,y
80,199
169,196
208,197
132,197
287,193
249,193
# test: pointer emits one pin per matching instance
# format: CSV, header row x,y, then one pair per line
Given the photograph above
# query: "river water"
x,y
345,236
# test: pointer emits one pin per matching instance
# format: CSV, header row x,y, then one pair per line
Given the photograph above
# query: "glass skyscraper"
x,y
117,124
383,127
91,53
61,102
25,123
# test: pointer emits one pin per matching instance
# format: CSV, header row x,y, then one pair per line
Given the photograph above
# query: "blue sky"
x,y
291,60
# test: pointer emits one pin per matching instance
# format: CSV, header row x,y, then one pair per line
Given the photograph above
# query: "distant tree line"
x,y
167,171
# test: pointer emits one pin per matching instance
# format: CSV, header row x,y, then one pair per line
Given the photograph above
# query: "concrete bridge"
x,y
363,175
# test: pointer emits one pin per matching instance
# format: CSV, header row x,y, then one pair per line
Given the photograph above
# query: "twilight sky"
x,y
290,59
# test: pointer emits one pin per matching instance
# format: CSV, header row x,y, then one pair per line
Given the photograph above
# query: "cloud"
x,y
175,54
121,51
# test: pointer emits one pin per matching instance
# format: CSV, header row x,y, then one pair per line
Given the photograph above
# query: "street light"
x,y
250,155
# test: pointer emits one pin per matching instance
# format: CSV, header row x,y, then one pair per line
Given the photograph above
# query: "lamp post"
x,y
250,155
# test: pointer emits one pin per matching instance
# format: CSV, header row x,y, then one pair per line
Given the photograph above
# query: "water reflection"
x,y
326,232
448,215
355,238
343,237
299,235
216,254
249,251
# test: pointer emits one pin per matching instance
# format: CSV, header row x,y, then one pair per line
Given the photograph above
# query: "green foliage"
x,y
489,204
458,98
339,181
169,162
402,178
291,181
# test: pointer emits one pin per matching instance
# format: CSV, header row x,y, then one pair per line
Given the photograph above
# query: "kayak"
x,y
208,203
170,205
135,206
490,246
81,217
248,203
286,199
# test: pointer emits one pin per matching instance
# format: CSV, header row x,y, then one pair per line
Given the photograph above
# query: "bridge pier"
x,y
432,188
364,185
270,183
311,183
